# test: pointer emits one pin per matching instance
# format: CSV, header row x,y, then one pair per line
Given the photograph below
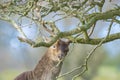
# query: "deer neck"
x,y
46,66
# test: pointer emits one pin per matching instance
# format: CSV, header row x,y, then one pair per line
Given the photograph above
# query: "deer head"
x,y
59,49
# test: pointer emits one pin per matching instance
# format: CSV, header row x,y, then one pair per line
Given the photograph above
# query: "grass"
x,y
108,73
104,73
8,74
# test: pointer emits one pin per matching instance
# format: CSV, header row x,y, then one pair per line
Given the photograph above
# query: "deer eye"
x,y
53,46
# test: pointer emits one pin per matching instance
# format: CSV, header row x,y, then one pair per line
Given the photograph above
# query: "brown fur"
x,y
48,68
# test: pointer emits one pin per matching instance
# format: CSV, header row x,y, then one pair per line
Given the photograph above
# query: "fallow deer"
x,y
48,68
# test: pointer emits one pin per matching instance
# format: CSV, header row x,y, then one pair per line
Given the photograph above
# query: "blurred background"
x,y
17,57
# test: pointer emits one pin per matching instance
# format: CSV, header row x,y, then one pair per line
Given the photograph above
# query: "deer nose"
x,y
66,50
61,56
63,53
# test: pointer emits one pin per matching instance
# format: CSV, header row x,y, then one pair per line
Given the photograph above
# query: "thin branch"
x,y
91,53
87,58
95,17
91,31
96,41
88,9
48,30
85,63
86,36
75,69
54,27
62,18
58,15
84,2
26,25
29,41
109,29
117,21
79,40
18,28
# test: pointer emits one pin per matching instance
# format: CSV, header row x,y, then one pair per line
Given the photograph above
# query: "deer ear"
x,y
58,41
66,40
69,41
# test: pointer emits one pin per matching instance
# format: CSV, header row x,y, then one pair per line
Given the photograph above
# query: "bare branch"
x,y
75,69
86,35
36,11
91,31
85,63
18,28
97,41
48,30
92,19
100,16
54,27
109,29
117,21
87,58
91,53
29,41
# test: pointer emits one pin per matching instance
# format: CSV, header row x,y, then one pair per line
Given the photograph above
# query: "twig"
x,y
68,15
61,18
48,30
58,15
117,21
91,31
26,25
91,53
29,41
75,69
54,27
109,29
18,28
84,65
87,58
84,2
86,36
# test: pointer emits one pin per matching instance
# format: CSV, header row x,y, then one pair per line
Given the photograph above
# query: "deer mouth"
x,y
62,55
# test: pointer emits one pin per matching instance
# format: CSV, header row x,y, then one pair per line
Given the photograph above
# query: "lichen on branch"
x,y
36,10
